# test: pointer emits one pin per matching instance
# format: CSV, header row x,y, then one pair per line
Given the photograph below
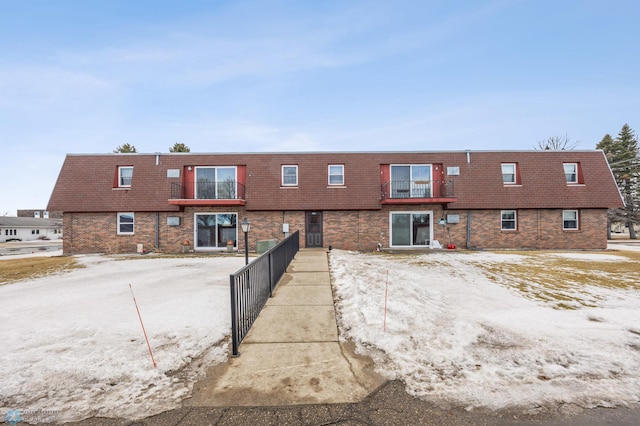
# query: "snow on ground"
x,y
596,257
73,344
455,336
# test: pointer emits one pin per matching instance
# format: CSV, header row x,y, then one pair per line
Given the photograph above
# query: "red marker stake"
x,y
386,287
143,330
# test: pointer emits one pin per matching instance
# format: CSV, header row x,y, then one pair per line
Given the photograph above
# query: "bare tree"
x,y
557,143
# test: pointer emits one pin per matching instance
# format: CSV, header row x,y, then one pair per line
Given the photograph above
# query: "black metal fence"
x,y
252,286
417,189
207,190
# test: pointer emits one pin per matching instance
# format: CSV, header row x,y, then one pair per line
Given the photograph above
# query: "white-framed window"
x,y
125,174
336,174
407,229
289,175
214,231
215,182
509,176
570,220
508,220
571,172
126,223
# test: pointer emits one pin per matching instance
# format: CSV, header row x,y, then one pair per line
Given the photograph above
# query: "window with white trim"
x,y
509,220
571,172
126,223
570,220
336,174
509,176
289,175
125,174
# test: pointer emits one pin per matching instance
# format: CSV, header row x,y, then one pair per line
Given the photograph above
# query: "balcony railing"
x,y
208,190
417,189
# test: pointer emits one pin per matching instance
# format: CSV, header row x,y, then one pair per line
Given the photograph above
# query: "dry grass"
x,y
565,282
12,270
548,276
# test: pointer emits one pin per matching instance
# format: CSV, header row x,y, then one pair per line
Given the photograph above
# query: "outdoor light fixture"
x,y
246,225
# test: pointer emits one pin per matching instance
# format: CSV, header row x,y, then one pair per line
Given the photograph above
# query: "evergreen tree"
x,y
622,154
125,148
179,147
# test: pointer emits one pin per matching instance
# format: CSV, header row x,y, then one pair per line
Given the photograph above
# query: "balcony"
x,y
208,193
418,192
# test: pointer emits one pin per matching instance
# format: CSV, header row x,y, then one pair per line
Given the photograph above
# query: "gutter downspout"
x,y
157,243
468,229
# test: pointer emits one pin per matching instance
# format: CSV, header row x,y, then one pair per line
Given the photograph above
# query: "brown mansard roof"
x,y
86,181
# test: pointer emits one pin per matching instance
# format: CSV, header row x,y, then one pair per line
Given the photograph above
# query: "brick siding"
x,y
536,229
350,230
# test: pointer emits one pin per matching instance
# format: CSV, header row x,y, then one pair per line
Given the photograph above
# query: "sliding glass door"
x,y
411,181
213,230
408,229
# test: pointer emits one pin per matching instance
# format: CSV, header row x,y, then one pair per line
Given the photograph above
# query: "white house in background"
x,y
29,228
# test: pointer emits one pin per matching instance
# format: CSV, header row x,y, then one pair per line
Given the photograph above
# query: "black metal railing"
x,y
252,286
208,190
417,189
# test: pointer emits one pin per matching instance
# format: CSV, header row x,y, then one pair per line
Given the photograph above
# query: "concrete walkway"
x,y
292,354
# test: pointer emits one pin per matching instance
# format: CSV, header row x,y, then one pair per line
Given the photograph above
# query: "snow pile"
x,y
73,344
456,337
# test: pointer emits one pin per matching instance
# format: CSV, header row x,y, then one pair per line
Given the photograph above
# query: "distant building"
x,y
29,229
40,214
348,200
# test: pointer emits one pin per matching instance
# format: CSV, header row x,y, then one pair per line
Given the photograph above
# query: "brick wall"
x,y
536,229
351,230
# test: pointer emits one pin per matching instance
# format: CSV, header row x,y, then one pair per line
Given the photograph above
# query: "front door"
x,y
313,229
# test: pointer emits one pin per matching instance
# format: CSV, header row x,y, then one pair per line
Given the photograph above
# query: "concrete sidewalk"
x,y
292,354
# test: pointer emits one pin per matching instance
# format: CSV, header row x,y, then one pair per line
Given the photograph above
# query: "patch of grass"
x,y
560,280
12,270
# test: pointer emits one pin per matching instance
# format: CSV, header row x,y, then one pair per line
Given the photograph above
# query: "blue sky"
x,y
226,76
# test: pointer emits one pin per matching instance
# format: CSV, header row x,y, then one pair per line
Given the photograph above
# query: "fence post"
x,y
234,318
270,275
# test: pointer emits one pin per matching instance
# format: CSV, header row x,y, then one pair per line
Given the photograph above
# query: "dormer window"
x,y
572,173
509,173
125,174
336,174
290,175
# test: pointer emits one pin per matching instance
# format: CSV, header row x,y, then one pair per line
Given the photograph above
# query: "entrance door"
x,y
313,229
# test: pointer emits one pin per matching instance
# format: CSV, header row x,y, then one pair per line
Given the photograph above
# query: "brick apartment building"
x,y
474,199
